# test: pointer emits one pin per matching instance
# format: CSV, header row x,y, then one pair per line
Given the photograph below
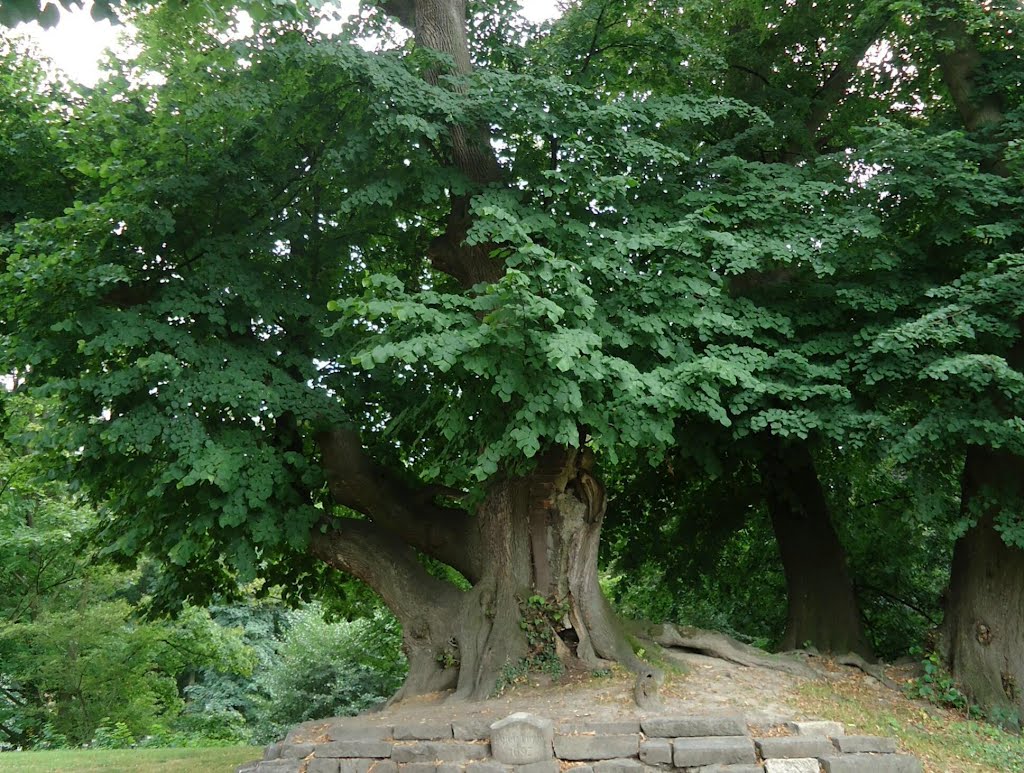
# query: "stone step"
x,y
527,743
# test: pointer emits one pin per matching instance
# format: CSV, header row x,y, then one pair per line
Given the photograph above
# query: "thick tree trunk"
x,y
538,536
983,630
823,609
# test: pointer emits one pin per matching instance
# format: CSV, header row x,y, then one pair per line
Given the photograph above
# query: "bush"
x,y
325,669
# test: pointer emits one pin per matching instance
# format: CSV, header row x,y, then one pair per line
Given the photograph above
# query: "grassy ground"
x,y
944,741
219,760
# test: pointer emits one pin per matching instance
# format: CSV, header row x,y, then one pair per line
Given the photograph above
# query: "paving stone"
x,y
487,766
816,727
348,765
807,765
656,751
795,746
294,751
522,738
310,729
323,766
422,731
685,727
279,766
721,750
473,729
350,731
596,747
547,766
440,751
871,763
418,767
597,726
376,749
622,765
852,744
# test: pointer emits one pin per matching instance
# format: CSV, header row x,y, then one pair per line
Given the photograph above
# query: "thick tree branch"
x,y
440,25
357,481
961,68
386,564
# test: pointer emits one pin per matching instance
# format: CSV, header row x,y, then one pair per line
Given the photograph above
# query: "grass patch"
x,y
944,741
211,760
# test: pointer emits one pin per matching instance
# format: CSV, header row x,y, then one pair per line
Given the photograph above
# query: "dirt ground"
x,y
694,684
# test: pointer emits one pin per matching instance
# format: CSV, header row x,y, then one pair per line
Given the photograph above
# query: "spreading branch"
x,y
357,481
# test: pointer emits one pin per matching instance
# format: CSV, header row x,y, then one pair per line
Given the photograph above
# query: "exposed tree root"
x,y
719,645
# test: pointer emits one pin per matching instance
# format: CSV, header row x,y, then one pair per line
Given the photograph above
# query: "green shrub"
x,y
325,669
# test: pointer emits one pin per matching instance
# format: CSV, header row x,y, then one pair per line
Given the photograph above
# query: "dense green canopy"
x,y
302,296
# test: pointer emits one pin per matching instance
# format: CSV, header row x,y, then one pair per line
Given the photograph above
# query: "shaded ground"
x,y
944,741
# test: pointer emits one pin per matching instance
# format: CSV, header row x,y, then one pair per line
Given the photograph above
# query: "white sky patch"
x,y
78,42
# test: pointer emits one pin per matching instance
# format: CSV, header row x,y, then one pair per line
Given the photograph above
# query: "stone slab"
x,y
323,766
816,727
596,747
724,769
685,727
871,763
621,765
598,726
521,738
854,744
279,766
439,751
295,751
472,729
721,750
419,767
422,731
807,765
272,752
547,766
487,766
379,766
795,746
374,749
351,731
656,751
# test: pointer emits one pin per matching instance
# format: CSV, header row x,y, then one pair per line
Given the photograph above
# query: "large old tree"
x,y
309,307
385,310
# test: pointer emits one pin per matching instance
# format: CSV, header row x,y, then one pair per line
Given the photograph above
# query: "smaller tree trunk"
x,y
983,631
823,609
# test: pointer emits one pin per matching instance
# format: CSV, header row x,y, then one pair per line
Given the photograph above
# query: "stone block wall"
x,y
527,743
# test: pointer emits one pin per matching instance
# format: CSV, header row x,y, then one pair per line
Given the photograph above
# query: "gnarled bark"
x,y
983,630
532,536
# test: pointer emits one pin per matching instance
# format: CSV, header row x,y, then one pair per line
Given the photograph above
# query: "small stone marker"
x,y
806,765
522,738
